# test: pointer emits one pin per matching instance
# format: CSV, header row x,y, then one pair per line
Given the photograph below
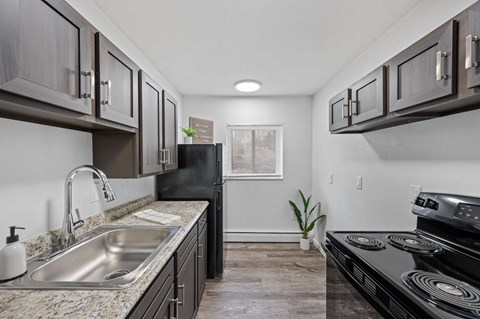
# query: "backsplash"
x,y
47,241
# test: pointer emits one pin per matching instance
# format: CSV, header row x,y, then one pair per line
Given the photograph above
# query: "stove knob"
x,y
432,204
420,202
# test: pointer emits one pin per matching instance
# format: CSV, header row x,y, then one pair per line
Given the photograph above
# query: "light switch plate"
x,y
359,182
330,179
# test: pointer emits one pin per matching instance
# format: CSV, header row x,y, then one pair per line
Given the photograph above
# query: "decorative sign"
x,y
204,130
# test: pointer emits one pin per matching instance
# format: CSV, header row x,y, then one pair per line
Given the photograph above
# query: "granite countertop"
x,y
115,303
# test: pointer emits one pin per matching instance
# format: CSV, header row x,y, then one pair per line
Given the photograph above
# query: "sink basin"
x,y
108,258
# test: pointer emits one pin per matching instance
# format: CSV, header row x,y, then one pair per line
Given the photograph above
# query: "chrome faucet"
x,y
69,226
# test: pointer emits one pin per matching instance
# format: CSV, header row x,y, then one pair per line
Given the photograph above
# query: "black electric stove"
x,y
431,272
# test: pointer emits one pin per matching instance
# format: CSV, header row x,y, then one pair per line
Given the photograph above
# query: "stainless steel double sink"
x,y
110,257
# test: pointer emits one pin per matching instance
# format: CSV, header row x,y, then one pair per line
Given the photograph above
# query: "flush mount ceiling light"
x,y
247,86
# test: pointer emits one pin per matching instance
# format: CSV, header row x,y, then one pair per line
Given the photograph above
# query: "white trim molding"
x,y
261,237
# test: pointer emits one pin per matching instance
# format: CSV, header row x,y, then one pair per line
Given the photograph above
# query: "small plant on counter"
x,y
304,217
189,131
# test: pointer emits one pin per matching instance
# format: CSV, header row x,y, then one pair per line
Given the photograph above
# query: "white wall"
x,y
35,159
441,155
258,209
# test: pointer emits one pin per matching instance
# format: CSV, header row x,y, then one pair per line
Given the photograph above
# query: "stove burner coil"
x,y
413,243
445,292
364,242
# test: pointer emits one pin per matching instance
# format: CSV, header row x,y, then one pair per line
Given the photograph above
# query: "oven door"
x,y
344,301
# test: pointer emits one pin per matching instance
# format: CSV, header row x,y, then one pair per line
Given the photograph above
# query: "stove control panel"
x,y
429,203
455,210
468,212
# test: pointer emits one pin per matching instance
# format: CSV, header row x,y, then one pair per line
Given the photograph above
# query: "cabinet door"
x,y
425,71
170,131
187,287
151,121
202,263
472,46
369,97
46,53
339,111
158,300
117,92
166,310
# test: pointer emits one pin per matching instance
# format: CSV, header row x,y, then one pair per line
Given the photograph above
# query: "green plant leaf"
x,y
311,211
303,217
189,131
310,227
305,202
298,215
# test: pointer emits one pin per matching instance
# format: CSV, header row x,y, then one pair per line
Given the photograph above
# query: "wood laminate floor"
x,y
267,280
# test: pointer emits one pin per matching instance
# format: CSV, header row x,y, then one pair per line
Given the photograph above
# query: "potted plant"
x,y
190,132
303,219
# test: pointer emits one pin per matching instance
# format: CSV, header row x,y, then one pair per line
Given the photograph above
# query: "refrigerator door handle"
x,y
219,170
219,198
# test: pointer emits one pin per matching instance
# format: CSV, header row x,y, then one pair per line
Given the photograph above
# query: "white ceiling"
x,y
292,46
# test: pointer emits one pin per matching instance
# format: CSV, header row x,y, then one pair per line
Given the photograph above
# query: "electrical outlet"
x,y
330,179
414,191
359,182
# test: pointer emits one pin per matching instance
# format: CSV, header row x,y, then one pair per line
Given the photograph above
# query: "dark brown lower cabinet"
x,y
186,276
176,292
202,263
187,286
158,301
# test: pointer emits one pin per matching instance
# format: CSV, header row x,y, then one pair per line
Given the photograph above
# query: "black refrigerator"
x,y
200,177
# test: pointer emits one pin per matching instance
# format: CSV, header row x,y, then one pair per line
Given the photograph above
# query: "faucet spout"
x,y
69,225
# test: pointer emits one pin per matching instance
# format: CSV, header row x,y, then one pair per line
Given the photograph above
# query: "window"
x,y
255,151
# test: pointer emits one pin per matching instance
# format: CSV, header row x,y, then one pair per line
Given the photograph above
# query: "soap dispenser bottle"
x,y
13,258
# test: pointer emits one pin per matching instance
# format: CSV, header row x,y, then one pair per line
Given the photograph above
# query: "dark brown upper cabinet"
x,y
170,132
46,53
153,150
472,46
364,101
117,89
152,156
425,71
339,111
369,97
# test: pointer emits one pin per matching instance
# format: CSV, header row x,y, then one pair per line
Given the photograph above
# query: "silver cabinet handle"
x,y
180,303
200,246
469,63
176,307
343,111
164,156
108,83
439,69
353,111
90,95
168,160
161,155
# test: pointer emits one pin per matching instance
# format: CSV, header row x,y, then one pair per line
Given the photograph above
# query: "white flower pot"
x,y
305,243
187,140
